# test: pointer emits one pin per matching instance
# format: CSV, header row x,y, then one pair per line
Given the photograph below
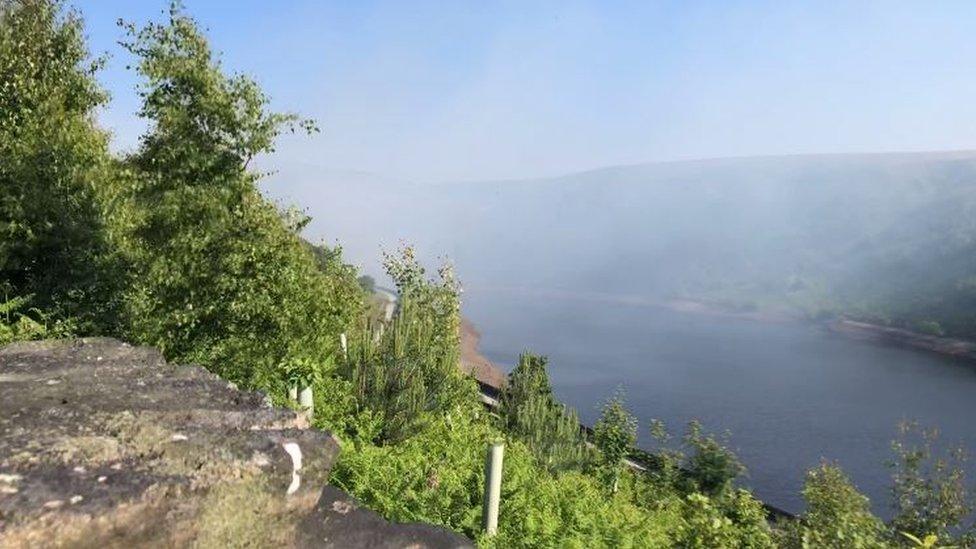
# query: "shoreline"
x,y
476,364
490,374
951,348
854,329
692,306
866,331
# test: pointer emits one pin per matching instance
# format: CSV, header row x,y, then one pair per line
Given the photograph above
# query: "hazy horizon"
x,y
377,177
432,92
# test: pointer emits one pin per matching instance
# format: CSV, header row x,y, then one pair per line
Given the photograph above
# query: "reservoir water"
x,y
790,393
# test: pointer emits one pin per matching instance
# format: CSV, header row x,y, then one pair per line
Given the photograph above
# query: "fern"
x,y
17,326
12,304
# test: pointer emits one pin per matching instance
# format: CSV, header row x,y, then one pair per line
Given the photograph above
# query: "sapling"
x,y
615,434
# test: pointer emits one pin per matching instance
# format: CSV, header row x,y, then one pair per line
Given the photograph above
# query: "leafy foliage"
x,y
53,241
701,464
614,435
712,466
837,516
737,520
930,541
931,502
437,476
301,372
17,325
223,278
929,492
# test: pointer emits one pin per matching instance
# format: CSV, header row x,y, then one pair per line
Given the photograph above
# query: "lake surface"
x,y
790,393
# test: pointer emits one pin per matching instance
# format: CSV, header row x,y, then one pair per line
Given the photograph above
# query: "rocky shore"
x,y
865,331
906,338
474,363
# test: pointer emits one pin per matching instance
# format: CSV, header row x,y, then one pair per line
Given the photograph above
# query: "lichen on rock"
x,y
106,445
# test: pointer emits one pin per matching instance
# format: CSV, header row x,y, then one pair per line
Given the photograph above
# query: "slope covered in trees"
x,y
884,237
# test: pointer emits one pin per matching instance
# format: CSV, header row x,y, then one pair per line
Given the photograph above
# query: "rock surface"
x,y
106,445
339,522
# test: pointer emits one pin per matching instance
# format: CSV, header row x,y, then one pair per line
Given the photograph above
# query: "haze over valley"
x,y
888,237
598,267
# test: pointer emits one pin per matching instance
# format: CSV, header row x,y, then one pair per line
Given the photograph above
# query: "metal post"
x,y
493,487
344,345
305,400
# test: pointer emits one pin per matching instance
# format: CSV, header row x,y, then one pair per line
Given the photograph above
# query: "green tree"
x,y
367,283
54,162
223,278
837,515
712,466
614,435
930,495
736,521
528,381
408,371
530,411
666,462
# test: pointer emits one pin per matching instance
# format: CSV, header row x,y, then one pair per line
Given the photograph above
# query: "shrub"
x,y
738,520
529,411
435,475
614,434
408,370
837,515
572,509
712,466
17,325
930,495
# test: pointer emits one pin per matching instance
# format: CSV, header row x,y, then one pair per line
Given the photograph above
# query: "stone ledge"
x,y
103,444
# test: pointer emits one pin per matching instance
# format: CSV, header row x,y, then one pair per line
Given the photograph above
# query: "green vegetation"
x,y
615,433
530,412
260,296
932,504
712,467
837,514
929,488
174,246
406,373
54,245
17,325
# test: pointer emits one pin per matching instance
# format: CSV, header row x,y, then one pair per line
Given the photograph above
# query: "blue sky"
x,y
431,91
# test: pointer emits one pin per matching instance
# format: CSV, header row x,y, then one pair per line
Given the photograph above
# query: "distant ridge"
x,y
930,155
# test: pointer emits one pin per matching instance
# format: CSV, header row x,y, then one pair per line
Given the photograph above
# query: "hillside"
x,y
885,237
